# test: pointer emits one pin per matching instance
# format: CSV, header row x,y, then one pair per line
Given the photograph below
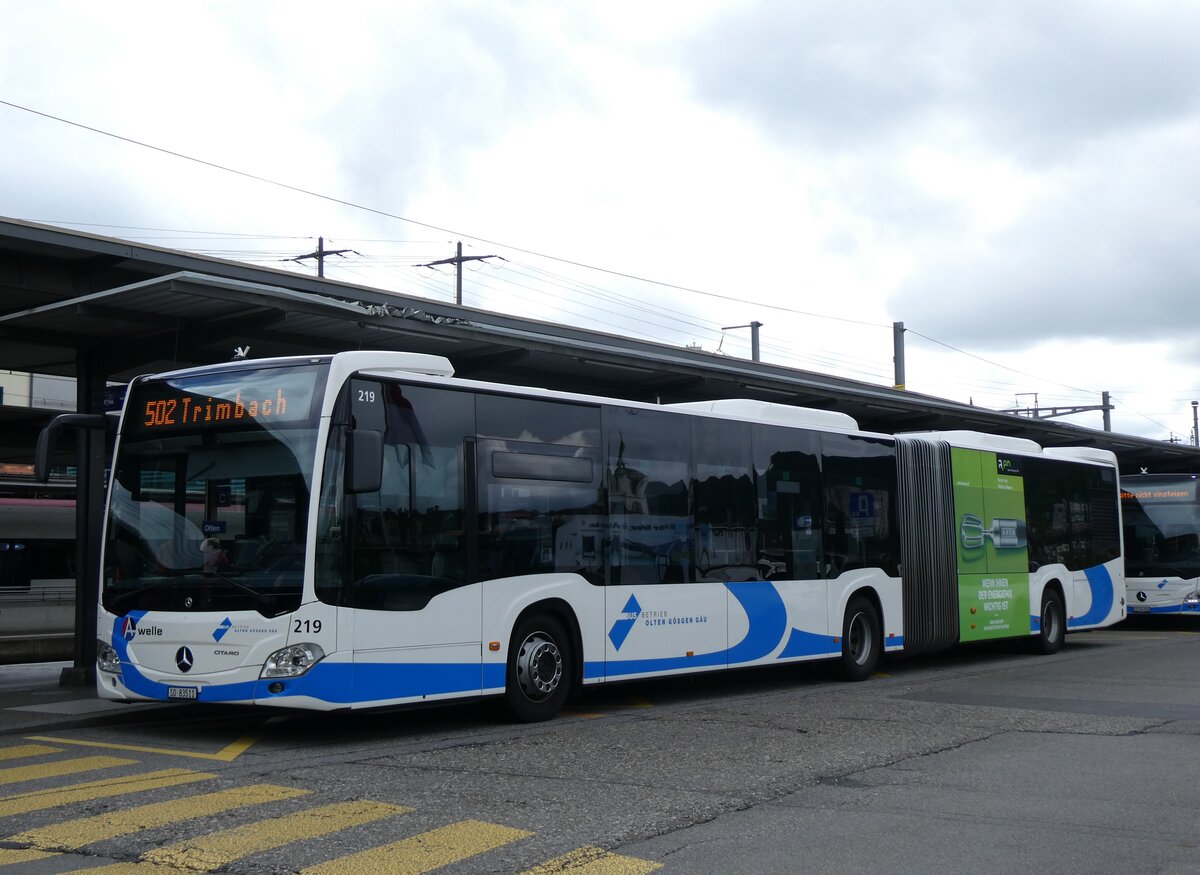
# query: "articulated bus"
x,y
1161,525
366,530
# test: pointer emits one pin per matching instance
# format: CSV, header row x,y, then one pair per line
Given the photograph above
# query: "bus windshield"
x,y
1161,519
209,502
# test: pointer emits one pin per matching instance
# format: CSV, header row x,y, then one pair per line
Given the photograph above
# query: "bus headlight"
x,y
1192,598
106,658
293,661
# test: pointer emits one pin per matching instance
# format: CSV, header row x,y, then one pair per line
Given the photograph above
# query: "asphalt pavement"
x,y
34,698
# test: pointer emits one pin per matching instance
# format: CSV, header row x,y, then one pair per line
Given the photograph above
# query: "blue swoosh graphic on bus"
x,y
768,620
1101,584
801,643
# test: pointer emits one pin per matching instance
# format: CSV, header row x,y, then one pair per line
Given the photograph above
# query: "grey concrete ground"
x,y
982,760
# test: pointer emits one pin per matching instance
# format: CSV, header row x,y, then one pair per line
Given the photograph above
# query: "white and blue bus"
x,y
366,530
1161,526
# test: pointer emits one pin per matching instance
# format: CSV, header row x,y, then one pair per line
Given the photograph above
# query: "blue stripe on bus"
x,y
340,683
347,683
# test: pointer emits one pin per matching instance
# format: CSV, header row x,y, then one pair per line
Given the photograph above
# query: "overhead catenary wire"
x,y
740,300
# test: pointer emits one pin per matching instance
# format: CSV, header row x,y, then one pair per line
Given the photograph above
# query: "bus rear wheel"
x,y
1053,624
539,669
861,640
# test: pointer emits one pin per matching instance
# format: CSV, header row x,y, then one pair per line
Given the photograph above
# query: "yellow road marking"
x,y
130,869
227,754
15,774
75,834
9,857
425,852
590,860
16,752
40,800
213,851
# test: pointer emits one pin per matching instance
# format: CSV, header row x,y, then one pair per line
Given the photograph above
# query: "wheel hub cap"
x,y
539,667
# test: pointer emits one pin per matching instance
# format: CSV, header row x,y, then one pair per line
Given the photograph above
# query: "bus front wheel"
x,y
861,639
539,669
1053,625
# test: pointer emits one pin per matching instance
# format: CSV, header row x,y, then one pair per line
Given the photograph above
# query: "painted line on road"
x,y
16,774
216,850
590,860
20,751
39,800
227,754
426,851
75,834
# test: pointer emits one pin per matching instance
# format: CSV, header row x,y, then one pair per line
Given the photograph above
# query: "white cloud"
x,y
1015,180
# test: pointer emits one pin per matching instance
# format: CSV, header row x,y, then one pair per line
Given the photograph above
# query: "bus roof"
x,y
767,411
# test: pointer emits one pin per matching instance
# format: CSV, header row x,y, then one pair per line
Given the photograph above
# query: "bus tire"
x,y
539,669
1053,623
861,639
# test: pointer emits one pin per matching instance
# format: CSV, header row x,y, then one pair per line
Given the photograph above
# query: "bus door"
x,y
416,619
663,612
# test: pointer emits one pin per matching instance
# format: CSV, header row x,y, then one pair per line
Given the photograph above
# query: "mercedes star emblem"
x,y
183,659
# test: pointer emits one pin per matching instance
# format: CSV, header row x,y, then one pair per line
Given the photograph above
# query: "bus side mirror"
x,y
364,461
48,436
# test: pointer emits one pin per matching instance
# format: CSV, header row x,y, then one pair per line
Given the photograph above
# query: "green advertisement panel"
x,y
993,551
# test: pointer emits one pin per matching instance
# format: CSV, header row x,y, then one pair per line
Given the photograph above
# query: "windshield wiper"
x,y
113,601
264,603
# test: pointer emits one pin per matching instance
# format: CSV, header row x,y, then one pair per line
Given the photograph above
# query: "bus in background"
x,y
1161,526
37,570
365,530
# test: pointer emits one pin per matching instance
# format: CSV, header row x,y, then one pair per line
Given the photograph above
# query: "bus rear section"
x,y
1004,539
1161,528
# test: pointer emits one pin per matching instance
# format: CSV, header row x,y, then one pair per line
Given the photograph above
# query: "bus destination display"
x,y
232,400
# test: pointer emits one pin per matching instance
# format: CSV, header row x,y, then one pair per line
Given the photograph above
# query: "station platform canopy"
x,y
72,303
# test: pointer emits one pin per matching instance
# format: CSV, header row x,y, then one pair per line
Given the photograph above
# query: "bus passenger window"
x,y
406,541
539,502
860,507
725,535
648,501
789,517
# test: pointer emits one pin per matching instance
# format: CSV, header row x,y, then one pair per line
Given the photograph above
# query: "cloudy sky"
x,y
1018,182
